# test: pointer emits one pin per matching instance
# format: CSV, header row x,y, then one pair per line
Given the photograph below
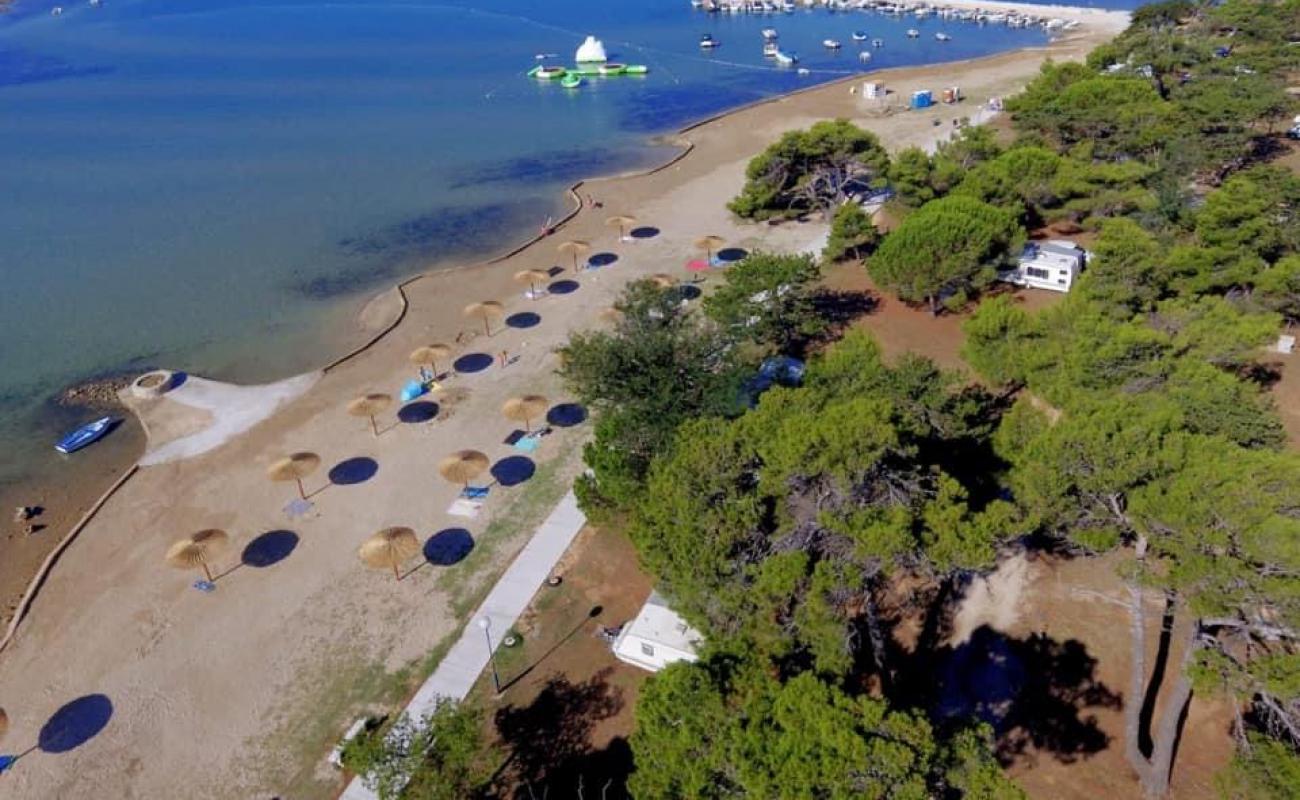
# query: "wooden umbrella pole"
x,y
207,572
396,574
301,491
575,260
374,426
487,328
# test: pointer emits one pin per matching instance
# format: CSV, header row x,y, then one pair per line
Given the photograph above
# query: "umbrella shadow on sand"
x,y
353,471
523,320
74,724
566,415
446,548
513,470
417,412
472,362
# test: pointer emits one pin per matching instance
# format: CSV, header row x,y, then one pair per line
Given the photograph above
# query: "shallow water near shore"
x,y
214,185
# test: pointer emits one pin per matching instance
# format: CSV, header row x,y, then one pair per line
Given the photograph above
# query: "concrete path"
x,y
201,414
468,657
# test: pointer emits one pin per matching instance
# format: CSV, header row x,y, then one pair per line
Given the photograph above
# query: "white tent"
x,y
657,637
592,50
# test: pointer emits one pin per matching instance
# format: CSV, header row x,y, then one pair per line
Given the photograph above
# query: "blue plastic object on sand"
x,y
526,443
412,390
475,492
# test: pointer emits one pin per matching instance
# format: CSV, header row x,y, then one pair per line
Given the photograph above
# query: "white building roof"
x,y
659,624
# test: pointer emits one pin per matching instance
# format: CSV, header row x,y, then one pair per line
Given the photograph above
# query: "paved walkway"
x,y
458,671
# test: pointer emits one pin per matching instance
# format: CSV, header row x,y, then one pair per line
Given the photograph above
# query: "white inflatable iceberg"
x,y
591,50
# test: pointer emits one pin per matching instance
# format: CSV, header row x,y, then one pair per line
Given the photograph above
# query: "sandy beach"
x,y
239,693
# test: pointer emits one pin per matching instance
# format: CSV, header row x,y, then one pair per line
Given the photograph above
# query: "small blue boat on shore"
x,y
87,434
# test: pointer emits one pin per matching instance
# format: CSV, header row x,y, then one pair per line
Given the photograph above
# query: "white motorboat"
x,y
913,33
708,42
770,49
786,59
942,37
831,44
769,33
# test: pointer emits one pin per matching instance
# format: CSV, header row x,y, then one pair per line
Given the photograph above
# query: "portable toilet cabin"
x,y
872,90
922,99
951,95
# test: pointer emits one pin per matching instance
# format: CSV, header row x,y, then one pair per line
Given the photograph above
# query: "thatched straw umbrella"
x,y
488,310
4,723
294,467
525,409
389,548
532,277
709,244
622,222
429,355
663,280
198,550
463,466
575,248
368,405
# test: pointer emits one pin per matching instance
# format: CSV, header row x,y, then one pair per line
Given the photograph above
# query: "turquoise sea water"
x,y
204,184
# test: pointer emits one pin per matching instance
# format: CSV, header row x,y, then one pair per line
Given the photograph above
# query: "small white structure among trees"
x,y
657,637
1052,265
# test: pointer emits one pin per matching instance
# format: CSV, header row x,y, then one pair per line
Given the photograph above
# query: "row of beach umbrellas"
x,y
390,547
387,548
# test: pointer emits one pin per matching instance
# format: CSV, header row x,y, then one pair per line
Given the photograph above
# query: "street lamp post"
x,y
486,625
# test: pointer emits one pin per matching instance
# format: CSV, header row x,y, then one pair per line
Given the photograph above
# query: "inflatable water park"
x,y
590,61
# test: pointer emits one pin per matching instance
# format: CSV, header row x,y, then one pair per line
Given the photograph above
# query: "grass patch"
x,y
344,688
470,582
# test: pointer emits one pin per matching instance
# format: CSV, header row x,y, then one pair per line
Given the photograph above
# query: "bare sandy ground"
x,y
238,693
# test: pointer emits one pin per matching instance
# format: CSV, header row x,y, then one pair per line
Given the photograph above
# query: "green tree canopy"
x,y
947,246
852,235
768,300
657,369
810,171
700,735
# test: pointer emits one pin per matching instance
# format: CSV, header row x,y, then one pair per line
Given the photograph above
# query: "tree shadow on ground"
x,y
549,742
842,308
1035,692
